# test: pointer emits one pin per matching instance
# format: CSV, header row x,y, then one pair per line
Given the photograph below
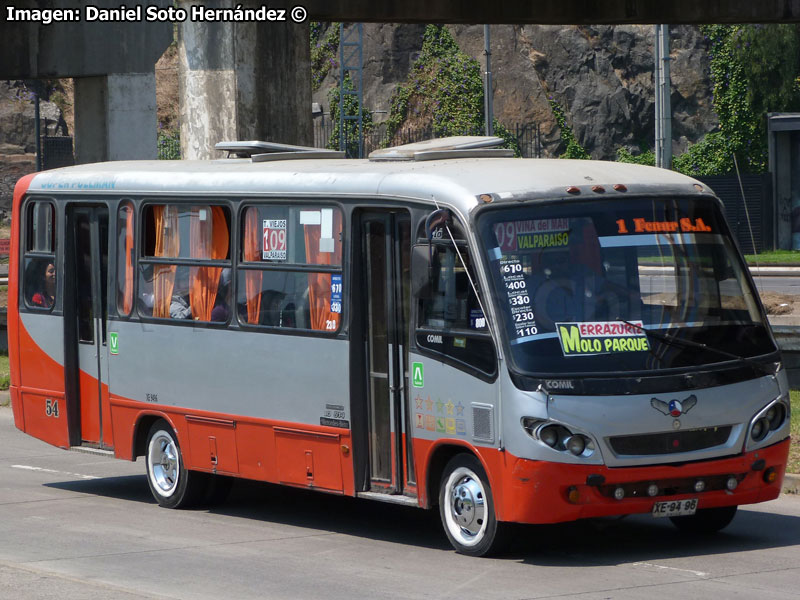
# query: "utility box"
x,y
784,166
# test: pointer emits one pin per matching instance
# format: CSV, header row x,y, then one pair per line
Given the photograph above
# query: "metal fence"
x,y
527,136
757,202
57,152
169,147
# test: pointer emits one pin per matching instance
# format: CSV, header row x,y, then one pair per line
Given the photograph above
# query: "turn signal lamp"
x,y
573,495
770,475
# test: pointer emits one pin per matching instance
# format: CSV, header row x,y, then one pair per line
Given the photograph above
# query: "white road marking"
x,y
645,564
29,468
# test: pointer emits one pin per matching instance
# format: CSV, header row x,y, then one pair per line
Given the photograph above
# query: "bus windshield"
x,y
580,285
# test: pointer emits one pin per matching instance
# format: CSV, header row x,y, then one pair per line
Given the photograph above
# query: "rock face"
x,y
602,76
18,135
17,124
12,168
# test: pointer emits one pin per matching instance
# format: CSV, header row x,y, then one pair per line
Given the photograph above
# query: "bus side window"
x,y
40,274
125,237
184,270
281,278
449,317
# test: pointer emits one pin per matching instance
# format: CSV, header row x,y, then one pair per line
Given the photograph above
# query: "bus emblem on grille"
x,y
674,408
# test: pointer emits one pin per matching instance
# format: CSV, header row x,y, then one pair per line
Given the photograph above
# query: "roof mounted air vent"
x,y
462,146
266,151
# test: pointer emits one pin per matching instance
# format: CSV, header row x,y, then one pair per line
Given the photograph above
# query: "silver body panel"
x,y
292,378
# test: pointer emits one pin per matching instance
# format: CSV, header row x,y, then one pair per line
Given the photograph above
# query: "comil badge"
x,y
674,408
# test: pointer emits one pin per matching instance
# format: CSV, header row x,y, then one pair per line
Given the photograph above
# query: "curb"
x,y
791,484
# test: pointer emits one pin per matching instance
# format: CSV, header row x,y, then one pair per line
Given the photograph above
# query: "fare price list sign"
x,y
519,298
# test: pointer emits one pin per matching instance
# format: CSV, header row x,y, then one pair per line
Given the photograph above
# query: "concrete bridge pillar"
x,y
242,81
115,117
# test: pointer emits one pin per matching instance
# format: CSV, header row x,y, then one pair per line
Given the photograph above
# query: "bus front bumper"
x,y
544,492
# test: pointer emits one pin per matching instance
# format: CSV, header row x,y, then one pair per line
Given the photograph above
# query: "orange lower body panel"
x,y
309,456
536,491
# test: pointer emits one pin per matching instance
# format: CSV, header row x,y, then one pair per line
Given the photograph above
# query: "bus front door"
x,y
385,260
85,316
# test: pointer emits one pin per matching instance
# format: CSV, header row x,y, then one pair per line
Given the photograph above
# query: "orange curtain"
x,y
208,238
127,297
168,243
319,284
252,252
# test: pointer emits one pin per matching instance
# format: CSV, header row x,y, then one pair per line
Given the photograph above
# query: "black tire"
x,y
172,485
466,507
706,520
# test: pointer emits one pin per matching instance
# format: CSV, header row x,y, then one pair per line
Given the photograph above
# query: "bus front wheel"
x,y
706,520
466,507
172,485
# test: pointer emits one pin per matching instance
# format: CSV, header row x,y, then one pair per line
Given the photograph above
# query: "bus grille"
x,y
672,442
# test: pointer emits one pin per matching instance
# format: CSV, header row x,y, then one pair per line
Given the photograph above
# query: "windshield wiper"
x,y
676,341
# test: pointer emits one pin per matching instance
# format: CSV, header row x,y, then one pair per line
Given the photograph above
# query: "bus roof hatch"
x,y
461,146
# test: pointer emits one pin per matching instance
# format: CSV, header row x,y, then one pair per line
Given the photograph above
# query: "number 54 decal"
x,y
51,408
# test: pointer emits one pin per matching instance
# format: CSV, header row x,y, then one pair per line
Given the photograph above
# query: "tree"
x,y
754,70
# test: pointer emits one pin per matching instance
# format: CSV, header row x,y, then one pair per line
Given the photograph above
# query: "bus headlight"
x,y
760,430
776,415
558,437
769,419
549,435
575,444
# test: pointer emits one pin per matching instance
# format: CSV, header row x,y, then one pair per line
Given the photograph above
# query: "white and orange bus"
x,y
511,340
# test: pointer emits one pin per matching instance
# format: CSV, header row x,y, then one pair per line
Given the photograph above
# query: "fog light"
x,y
699,485
731,483
770,475
576,444
652,490
573,495
619,493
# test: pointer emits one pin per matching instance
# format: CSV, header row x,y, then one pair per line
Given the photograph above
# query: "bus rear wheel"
x,y
466,507
172,485
706,520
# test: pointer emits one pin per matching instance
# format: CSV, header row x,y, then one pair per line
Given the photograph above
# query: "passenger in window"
x,y
179,307
146,299
43,282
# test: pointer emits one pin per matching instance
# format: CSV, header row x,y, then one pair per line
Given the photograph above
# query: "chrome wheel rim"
x,y
164,462
466,507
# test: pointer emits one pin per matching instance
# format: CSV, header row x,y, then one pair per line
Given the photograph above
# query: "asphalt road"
x,y
783,285
74,525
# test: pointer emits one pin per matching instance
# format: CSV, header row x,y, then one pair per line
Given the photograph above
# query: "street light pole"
x,y
487,90
662,95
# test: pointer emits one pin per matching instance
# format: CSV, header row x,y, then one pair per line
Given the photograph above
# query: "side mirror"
x,y
436,222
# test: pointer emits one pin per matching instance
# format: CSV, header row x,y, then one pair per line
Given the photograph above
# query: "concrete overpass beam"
x,y
242,81
115,117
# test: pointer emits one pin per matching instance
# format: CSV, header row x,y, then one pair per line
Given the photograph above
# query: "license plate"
x,y
675,508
